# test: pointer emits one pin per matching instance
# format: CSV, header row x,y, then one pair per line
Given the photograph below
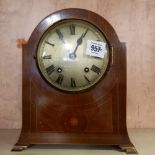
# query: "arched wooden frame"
x,y
100,112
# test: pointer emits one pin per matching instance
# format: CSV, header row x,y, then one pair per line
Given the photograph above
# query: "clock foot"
x,y
129,149
19,147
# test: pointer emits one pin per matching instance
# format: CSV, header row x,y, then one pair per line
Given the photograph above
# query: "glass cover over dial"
x,y
62,57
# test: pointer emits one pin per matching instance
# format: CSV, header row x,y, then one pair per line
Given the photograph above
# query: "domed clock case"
x,y
81,112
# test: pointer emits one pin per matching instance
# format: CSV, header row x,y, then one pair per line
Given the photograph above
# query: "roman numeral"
x,y
86,78
96,69
50,69
72,29
73,84
60,35
47,57
60,79
47,42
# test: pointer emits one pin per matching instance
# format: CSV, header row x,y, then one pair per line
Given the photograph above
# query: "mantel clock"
x,y
74,83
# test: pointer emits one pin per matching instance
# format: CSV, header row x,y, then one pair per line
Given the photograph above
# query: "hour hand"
x,y
79,42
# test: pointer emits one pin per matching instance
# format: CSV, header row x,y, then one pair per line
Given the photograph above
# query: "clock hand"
x,y
79,42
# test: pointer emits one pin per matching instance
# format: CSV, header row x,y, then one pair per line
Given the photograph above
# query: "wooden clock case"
x,y
95,117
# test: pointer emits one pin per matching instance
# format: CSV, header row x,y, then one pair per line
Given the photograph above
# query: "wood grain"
x,y
134,22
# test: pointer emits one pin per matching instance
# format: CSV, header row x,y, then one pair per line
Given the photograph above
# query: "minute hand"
x,y
79,42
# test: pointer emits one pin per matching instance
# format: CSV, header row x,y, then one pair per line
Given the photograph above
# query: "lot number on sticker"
x,y
95,48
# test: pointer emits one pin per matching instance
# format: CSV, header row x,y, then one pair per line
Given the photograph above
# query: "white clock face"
x,y
62,56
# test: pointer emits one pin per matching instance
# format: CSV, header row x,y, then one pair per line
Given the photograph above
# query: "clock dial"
x,y
62,57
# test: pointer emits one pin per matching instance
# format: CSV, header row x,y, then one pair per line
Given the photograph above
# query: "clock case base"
x,y
126,147
109,127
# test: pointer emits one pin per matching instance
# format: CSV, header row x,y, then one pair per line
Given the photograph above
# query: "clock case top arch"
x,y
100,111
